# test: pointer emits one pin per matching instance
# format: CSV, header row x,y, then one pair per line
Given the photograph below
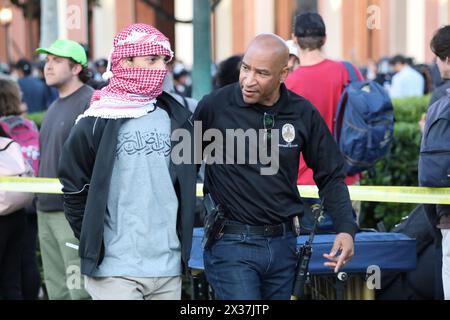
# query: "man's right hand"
x,y
344,244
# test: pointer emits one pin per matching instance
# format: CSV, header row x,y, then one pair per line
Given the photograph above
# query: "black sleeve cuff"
x,y
347,227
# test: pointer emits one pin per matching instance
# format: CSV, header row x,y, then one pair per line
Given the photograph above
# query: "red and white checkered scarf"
x,y
131,92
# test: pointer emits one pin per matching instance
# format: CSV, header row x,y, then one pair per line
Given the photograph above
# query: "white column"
x,y
415,28
265,16
398,27
62,19
104,20
331,11
49,27
443,12
184,33
223,27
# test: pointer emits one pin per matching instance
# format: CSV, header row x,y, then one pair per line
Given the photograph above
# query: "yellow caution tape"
x,y
381,194
389,194
357,193
34,185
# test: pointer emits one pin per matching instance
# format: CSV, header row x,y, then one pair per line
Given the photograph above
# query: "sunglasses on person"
x,y
268,123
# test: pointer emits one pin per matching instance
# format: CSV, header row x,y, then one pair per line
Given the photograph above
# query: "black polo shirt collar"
x,y
281,101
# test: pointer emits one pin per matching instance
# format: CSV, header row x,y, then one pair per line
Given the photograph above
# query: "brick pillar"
x,y
2,45
125,13
355,31
284,14
165,25
378,25
243,13
432,23
145,13
77,20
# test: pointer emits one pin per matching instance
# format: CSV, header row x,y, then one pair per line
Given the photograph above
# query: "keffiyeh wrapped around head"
x,y
131,92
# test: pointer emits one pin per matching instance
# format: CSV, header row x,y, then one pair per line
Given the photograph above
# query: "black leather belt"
x,y
268,231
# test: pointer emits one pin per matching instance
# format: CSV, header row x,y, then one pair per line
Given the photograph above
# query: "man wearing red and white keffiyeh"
x,y
136,70
129,204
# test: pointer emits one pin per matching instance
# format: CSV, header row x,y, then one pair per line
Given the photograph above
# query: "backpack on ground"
x,y
24,132
364,123
13,164
415,284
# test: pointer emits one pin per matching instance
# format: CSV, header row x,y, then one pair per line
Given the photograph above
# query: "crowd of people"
x,y
125,220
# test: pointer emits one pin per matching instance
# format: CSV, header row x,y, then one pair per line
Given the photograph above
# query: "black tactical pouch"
x,y
213,223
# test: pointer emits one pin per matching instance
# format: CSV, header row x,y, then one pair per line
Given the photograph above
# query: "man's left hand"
x,y
343,244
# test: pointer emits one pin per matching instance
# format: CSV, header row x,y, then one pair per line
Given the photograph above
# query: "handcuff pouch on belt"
x,y
213,223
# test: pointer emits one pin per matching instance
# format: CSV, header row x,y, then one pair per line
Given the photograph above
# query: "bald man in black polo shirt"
x,y
255,258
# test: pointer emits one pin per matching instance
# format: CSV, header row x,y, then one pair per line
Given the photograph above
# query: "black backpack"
x,y
419,283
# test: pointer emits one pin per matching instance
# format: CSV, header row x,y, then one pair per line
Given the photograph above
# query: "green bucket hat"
x,y
66,49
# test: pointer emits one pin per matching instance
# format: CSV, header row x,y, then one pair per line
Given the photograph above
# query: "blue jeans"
x,y
250,267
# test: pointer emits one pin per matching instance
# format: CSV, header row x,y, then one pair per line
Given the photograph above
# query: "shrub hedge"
x,y
37,117
399,167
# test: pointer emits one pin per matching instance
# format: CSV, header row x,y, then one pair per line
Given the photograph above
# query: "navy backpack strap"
x,y
351,71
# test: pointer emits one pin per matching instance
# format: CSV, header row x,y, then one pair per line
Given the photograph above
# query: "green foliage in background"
x,y
399,167
37,117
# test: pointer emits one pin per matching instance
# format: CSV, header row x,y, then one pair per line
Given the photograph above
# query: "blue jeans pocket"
x,y
229,238
290,241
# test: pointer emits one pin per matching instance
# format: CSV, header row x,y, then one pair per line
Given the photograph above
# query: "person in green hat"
x,y
66,70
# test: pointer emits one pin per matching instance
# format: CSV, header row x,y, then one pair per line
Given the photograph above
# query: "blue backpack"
x,y
364,123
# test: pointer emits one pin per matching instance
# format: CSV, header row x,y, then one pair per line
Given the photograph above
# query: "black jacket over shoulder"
x,y
85,171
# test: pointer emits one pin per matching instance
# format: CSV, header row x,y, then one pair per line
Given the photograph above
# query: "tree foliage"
x,y
399,167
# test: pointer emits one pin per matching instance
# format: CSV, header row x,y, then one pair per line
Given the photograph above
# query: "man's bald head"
x,y
264,69
273,45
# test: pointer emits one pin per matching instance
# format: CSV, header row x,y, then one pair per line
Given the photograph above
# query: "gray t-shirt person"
x,y
55,129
